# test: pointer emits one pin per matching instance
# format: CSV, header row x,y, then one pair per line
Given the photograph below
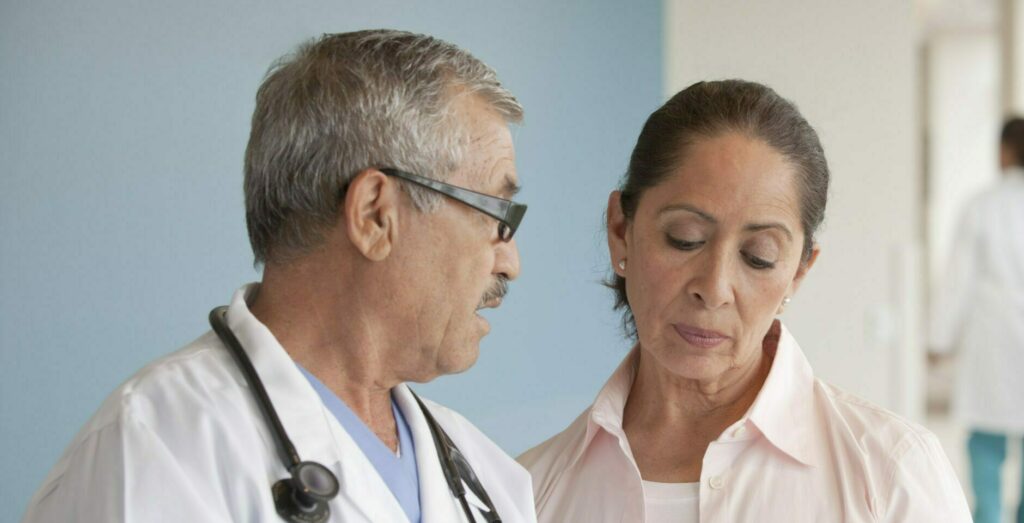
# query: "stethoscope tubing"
x,y
284,443
446,449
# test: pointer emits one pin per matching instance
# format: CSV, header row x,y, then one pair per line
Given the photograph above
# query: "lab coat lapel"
x,y
437,505
362,489
314,431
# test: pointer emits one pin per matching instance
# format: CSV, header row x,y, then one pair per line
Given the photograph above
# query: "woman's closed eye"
x,y
760,253
758,263
683,245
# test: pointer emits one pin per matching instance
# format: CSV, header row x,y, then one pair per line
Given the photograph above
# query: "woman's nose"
x,y
711,286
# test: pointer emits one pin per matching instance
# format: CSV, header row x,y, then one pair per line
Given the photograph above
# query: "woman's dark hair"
x,y
709,109
1012,136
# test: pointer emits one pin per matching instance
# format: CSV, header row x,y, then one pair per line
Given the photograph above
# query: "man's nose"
x,y
507,260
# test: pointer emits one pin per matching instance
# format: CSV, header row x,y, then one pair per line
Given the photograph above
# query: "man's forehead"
x,y
494,175
490,152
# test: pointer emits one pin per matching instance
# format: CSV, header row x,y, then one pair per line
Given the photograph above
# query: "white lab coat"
x,y
978,310
183,441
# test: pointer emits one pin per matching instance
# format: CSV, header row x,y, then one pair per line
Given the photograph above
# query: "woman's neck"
x,y
670,421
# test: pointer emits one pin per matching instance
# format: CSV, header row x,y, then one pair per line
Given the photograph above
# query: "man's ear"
x,y
371,213
617,227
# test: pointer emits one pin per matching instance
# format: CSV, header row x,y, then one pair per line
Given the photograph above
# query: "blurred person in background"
x,y
978,317
716,415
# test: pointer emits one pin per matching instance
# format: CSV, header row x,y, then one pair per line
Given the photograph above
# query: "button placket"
x,y
715,474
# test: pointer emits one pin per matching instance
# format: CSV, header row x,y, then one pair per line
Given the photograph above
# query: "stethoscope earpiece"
x,y
303,498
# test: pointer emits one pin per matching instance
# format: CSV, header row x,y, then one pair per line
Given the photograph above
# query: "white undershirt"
x,y
672,502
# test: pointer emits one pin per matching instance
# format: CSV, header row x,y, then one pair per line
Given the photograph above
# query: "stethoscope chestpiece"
x,y
303,498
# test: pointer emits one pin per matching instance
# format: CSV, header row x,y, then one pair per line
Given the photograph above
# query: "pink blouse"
x,y
804,452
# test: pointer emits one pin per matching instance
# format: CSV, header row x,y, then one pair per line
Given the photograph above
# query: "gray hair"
x,y
346,102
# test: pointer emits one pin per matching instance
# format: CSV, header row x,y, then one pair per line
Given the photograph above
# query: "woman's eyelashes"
x,y
753,261
758,263
683,245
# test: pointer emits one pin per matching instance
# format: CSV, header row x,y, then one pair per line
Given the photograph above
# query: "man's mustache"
x,y
497,291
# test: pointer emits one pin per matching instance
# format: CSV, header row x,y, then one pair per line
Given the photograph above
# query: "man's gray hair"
x,y
346,102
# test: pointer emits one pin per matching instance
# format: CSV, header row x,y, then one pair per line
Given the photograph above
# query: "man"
x,y
979,316
377,179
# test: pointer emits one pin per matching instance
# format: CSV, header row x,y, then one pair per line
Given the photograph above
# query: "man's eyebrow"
x,y
511,188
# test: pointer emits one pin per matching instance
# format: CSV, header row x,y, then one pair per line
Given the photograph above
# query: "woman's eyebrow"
x,y
754,227
688,208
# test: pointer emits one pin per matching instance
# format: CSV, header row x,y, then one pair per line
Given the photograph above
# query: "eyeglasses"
x,y
507,212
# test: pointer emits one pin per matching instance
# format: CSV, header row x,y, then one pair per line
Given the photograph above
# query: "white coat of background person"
x,y
374,273
978,316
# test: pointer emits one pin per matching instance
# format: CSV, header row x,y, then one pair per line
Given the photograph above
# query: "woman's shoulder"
x,y
548,460
860,422
556,450
877,439
906,469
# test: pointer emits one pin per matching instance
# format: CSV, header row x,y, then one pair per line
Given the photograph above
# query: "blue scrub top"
x,y
400,472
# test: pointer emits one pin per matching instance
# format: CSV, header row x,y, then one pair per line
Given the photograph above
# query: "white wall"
x,y
963,122
850,67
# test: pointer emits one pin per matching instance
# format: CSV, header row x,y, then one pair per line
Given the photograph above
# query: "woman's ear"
x,y
801,271
617,227
371,213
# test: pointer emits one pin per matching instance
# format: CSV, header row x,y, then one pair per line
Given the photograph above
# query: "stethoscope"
x,y
304,497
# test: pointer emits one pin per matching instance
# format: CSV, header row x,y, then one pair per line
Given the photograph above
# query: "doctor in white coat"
x,y
978,315
377,184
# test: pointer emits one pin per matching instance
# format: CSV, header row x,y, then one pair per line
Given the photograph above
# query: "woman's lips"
x,y
704,339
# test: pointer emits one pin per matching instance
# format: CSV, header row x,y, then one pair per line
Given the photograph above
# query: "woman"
x,y
715,414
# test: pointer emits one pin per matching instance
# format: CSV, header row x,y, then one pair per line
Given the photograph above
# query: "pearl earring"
x,y
622,264
785,301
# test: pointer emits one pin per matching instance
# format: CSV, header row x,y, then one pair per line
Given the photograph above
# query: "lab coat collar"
x,y
1012,177
294,399
435,499
437,504
317,436
783,410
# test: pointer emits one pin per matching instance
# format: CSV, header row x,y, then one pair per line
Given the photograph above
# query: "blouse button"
x,y
716,482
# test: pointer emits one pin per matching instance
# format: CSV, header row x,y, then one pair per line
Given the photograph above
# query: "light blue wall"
x,y
122,128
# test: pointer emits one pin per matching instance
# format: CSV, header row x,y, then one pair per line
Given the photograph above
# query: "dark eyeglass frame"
x,y
508,213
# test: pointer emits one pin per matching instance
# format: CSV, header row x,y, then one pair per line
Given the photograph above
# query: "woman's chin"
x,y
689,365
